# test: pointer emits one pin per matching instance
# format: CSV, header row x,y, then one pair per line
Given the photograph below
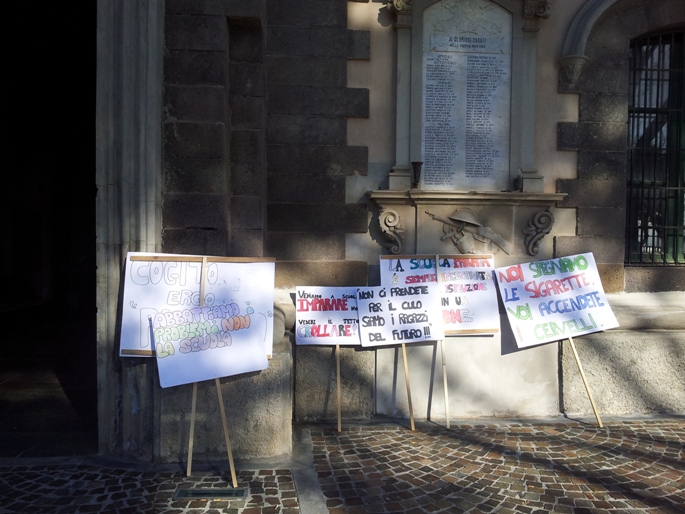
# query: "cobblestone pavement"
x,y
526,466
505,467
100,489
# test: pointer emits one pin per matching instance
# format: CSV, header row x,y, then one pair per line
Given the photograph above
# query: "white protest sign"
x,y
399,314
227,332
326,315
555,299
468,294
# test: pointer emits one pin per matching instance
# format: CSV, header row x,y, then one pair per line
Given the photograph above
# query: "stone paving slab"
x,y
516,466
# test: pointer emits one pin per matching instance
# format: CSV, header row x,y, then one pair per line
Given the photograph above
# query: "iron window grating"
x,y
655,202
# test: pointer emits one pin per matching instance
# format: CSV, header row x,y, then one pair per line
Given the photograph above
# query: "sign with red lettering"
x,y
552,300
201,317
468,295
399,314
326,315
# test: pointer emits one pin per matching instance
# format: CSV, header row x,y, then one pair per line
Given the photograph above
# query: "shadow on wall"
x,y
628,373
631,372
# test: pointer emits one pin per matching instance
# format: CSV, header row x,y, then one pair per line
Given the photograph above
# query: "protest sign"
x,y
326,315
555,299
202,320
399,314
468,295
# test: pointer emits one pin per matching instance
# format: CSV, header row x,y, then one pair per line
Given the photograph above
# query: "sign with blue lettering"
x,y
399,314
201,317
552,300
468,294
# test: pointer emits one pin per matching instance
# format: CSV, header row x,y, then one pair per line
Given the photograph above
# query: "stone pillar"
x,y
530,180
401,175
128,172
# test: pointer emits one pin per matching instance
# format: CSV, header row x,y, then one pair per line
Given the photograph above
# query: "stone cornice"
x,y
419,196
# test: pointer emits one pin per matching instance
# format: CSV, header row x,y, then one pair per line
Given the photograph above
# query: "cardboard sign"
x,y
551,300
326,315
399,314
468,294
201,321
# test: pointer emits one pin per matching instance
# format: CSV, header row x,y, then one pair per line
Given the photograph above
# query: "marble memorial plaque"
x,y
467,95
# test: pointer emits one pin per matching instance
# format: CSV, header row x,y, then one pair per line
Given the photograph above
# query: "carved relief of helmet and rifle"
x,y
466,232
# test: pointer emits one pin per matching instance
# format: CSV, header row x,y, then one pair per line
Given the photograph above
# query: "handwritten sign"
x,y
326,315
399,314
552,300
201,321
468,294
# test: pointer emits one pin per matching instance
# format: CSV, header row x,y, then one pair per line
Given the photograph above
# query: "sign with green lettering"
x,y
326,315
555,299
201,317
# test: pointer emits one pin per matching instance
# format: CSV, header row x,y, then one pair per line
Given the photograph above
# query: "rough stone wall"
x,y
247,102
214,128
255,154
637,368
308,105
214,203
258,414
600,138
195,202
307,153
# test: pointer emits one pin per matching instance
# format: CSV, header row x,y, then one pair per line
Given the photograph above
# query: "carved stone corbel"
x,y
573,57
572,66
399,6
391,225
539,225
536,9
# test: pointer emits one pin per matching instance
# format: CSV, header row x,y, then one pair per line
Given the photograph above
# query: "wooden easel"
x,y
337,362
204,261
442,352
220,397
225,427
444,384
587,387
406,378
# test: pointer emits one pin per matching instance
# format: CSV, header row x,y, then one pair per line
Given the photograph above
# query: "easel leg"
x,y
192,431
228,442
337,361
444,380
587,387
406,376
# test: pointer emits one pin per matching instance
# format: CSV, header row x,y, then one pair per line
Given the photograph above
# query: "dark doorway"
x,y
48,385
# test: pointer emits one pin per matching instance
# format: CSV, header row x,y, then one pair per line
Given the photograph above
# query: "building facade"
x,y
308,132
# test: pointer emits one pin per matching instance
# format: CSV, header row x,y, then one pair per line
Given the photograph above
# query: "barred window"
x,y
656,152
